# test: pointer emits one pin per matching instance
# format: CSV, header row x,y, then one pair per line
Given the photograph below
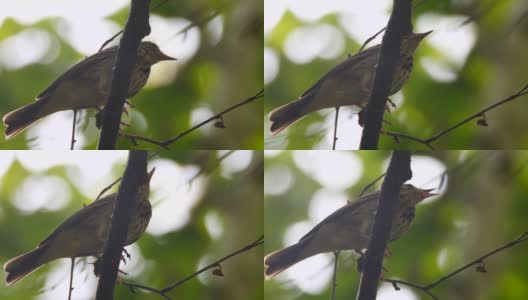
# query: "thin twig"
x,y
206,169
523,16
368,186
520,93
256,243
397,136
108,41
133,286
198,23
395,283
379,32
134,139
523,237
427,142
478,13
335,127
334,280
107,188
218,116
370,39
72,143
167,289
70,290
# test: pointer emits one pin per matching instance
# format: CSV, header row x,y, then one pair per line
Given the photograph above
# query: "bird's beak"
x,y
427,193
151,173
424,34
164,56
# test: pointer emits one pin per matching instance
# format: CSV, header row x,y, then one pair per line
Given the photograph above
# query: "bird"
x,y
82,234
84,85
348,228
348,83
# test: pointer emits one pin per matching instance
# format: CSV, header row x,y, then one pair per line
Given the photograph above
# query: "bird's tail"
x,y
23,265
280,260
284,116
20,119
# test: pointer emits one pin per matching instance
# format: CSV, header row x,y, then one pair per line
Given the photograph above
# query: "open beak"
x,y
427,193
151,173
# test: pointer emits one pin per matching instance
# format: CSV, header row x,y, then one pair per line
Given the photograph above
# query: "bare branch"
x,y
427,142
426,288
368,186
134,175
70,290
165,144
162,292
398,26
381,30
334,278
72,142
335,127
108,41
136,28
398,172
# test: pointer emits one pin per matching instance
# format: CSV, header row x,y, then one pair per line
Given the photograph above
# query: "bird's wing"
x,y
367,202
96,208
78,69
342,67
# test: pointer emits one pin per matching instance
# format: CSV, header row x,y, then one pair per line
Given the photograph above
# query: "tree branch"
x,y
479,261
481,115
108,41
334,277
165,144
398,172
399,25
162,292
335,127
72,141
133,177
136,28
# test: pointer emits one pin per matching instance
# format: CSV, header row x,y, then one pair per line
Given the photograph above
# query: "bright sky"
x,y
335,171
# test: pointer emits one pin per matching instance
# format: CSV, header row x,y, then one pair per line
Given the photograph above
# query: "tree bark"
x,y
136,28
133,177
399,25
398,172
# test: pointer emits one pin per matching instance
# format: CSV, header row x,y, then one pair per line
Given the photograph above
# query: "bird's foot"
x,y
392,104
361,265
361,117
130,104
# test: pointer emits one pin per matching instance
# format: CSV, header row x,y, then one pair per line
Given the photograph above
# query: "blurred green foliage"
x,y
235,199
495,69
219,75
483,208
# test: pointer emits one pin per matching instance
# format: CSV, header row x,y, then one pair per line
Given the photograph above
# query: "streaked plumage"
x,y
348,228
84,85
348,83
82,234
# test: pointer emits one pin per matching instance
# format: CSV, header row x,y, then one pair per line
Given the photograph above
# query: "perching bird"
x,y
348,83
84,85
82,234
348,228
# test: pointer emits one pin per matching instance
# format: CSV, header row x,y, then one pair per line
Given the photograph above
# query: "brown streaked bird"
x,y
84,85
348,83
348,228
82,234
